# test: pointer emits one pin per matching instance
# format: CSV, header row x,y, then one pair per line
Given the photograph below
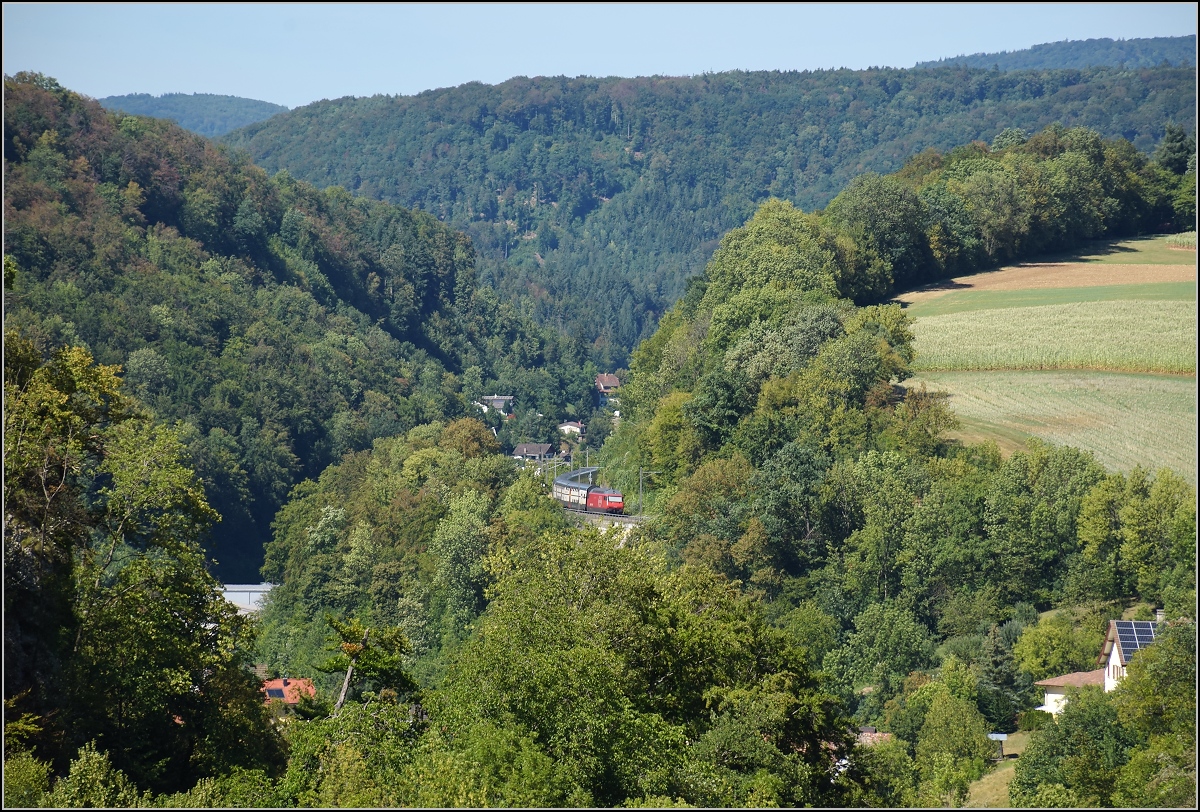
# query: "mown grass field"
x,y
1155,250
1124,420
1128,336
1102,359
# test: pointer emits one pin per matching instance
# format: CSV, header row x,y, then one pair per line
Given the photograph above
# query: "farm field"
x,y
964,301
1124,420
1070,351
1128,336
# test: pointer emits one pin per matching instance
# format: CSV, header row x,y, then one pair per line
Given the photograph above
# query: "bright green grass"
x,y
1130,336
965,300
1137,251
1125,420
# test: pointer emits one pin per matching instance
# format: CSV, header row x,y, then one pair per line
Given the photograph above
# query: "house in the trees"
x,y
607,385
501,403
1056,688
571,427
532,452
1124,639
288,691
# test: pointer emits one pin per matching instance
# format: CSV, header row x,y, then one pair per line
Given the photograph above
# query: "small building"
x,y
535,452
571,427
288,691
1056,688
501,403
1124,639
607,385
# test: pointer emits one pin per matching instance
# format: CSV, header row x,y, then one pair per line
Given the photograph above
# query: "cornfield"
x,y
1129,336
1185,240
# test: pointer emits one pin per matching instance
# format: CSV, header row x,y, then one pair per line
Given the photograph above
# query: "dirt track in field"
x,y
1032,275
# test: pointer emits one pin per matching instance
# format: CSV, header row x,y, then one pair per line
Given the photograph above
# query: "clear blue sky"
x,y
295,54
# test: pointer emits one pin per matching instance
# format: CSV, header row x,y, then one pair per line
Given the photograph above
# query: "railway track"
x,y
614,518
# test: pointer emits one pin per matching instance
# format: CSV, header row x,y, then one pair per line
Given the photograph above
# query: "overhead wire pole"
x,y
641,488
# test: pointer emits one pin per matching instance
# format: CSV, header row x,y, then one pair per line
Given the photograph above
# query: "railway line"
x,y
613,518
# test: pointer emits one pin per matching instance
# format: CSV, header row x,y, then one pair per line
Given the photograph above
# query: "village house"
x,y
869,737
501,403
1124,639
571,427
607,384
1056,688
288,691
532,452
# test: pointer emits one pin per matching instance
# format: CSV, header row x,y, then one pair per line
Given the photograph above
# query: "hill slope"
x,y
1149,52
593,200
205,114
278,326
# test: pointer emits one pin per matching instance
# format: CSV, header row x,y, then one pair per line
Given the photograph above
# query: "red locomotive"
x,y
575,494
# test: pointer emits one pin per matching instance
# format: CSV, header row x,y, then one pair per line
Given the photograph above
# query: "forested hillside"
x,y
1149,52
205,114
570,187
275,326
820,555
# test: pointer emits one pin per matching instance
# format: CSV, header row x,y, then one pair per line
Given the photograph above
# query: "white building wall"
x,y
1114,671
1056,699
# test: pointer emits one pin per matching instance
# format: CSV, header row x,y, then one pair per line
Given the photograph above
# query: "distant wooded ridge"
x,y
1148,52
205,114
574,187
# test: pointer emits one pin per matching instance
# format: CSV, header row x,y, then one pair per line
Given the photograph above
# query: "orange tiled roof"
x,y
288,690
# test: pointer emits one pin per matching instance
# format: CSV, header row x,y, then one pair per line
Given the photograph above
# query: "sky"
x,y
293,54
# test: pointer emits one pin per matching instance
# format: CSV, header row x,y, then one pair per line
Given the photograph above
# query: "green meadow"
x,y
1155,250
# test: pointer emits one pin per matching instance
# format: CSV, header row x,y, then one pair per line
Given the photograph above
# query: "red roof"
x,y
1076,680
288,690
606,381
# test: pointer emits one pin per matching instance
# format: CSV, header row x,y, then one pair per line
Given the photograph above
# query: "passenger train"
x,y
575,494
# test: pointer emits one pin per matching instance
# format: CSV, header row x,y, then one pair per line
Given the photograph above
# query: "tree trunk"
x,y
350,674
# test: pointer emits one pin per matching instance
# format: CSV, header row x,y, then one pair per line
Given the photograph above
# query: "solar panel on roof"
x,y
1135,634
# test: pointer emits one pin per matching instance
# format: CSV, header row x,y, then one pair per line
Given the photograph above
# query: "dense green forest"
x,y
569,187
1148,52
276,326
205,114
187,338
